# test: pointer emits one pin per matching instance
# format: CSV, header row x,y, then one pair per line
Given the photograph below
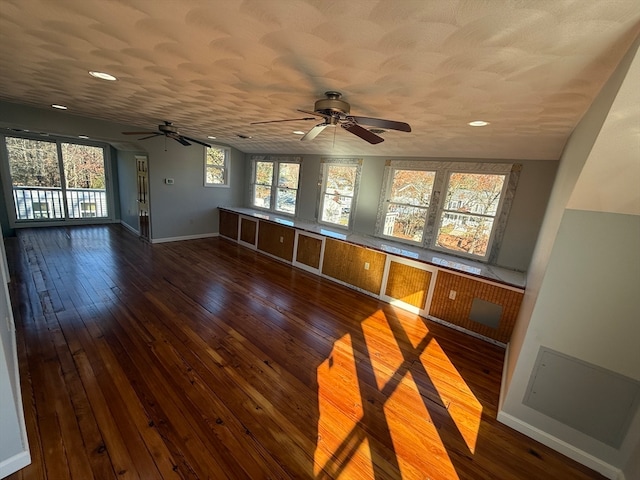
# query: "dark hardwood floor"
x,y
202,359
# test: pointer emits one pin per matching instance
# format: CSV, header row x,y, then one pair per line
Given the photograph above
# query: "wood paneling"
x,y
457,311
229,224
309,249
407,283
346,262
248,230
269,240
202,359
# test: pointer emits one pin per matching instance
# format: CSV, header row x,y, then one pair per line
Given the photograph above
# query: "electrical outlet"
x,y
452,294
366,265
281,239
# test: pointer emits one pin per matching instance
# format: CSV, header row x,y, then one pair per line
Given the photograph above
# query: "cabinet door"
x,y
408,284
308,251
229,224
248,232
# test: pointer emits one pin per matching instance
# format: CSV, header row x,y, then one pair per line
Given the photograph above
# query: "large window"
x,y
216,166
275,183
446,206
55,180
340,179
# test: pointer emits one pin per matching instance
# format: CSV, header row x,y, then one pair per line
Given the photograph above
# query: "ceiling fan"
x,y
335,111
171,131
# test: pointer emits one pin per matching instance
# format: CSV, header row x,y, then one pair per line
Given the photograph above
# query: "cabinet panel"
x,y
248,229
408,284
276,239
229,224
458,310
309,251
346,262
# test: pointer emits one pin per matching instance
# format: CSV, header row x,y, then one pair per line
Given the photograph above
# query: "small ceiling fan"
x,y
171,131
335,111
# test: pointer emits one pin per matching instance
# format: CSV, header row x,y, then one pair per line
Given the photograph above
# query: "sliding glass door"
x,y
56,180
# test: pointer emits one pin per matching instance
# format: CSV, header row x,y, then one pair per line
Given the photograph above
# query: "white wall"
x,y
14,449
582,298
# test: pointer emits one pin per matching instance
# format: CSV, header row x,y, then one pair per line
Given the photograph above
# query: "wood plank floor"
x,y
202,359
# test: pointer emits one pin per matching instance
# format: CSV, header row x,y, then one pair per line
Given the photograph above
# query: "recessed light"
x,y
211,137
83,136
59,107
298,132
102,76
478,123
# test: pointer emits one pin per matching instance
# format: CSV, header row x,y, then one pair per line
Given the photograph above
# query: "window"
x,y
340,179
408,204
447,206
275,183
469,209
216,166
55,180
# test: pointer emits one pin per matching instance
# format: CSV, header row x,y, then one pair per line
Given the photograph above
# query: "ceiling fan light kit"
x,y
336,111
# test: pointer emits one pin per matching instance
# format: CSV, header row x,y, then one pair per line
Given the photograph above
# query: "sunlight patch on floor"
x,y
414,435
385,355
450,384
342,445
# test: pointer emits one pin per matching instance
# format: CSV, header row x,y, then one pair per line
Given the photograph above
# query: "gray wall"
x,y
582,288
524,222
187,208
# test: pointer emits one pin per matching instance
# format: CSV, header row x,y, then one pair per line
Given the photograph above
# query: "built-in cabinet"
x,y
472,304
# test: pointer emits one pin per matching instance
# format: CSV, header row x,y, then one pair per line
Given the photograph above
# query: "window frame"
x,y
325,163
443,170
274,186
226,168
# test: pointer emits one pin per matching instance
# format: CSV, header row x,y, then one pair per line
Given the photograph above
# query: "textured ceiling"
x,y
531,68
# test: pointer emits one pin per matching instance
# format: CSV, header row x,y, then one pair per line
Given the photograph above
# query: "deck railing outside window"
x,y
37,203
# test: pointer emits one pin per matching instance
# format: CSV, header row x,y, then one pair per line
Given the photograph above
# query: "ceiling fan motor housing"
x,y
167,128
332,104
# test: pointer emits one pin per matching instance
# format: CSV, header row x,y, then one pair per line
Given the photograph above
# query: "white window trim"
x,y
323,183
438,196
276,160
226,169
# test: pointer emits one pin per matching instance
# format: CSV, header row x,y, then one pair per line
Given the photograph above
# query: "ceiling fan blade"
x,y
381,123
288,120
317,114
196,141
138,133
150,136
314,132
178,138
363,133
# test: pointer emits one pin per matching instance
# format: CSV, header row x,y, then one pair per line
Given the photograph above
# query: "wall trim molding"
x,y
15,463
129,227
186,237
561,446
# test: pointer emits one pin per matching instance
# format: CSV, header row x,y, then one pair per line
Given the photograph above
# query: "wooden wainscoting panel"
x,y
346,262
457,311
269,235
248,230
409,284
229,224
309,249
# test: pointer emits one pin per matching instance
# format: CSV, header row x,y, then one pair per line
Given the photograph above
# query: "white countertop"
x,y
439,259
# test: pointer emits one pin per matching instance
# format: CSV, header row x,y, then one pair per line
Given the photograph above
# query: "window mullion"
x,y
63,179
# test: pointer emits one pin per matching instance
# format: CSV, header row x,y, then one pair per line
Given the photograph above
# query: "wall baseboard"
x,y
129,227
186,237
15,463
464,330
561,446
